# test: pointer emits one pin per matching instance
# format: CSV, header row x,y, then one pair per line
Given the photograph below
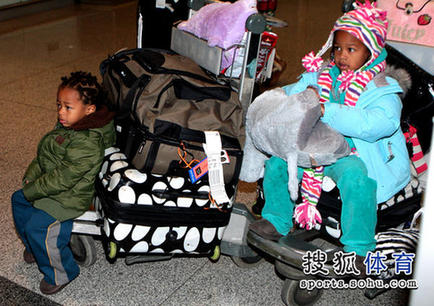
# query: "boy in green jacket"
x,y
59,182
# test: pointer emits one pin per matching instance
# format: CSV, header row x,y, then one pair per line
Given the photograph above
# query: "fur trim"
x,y
402,76
97,119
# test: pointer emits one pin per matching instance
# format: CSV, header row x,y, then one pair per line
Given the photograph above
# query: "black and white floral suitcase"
x,y
159,214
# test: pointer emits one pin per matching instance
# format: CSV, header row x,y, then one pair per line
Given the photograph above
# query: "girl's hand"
x,y
315,89
317,94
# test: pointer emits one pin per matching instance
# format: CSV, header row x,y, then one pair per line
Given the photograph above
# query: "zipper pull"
x,y
141,147
391,155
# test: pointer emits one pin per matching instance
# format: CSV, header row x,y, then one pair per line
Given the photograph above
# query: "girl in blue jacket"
x,y
359,101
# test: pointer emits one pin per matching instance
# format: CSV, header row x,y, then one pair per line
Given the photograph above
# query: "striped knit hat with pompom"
x,y
369,25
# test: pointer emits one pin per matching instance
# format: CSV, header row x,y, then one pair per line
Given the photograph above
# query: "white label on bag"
x,y
160,4
213,149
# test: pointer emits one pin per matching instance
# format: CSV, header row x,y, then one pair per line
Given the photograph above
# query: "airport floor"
x,y
35,51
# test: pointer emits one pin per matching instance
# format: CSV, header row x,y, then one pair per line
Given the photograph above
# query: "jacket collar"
x,y
98,119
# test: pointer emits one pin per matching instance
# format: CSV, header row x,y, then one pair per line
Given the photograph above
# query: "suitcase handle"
x,y
163,194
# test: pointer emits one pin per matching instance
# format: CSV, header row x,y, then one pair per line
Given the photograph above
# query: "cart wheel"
x,y
247,262
292,294
216,254
83,249
112,250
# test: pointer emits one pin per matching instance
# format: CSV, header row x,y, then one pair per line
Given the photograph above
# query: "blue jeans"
x,y
47,239
358,195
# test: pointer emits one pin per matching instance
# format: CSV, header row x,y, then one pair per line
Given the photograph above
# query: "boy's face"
x,y
70,109
349,52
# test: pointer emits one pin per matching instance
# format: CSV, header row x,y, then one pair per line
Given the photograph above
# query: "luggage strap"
x,y
213,149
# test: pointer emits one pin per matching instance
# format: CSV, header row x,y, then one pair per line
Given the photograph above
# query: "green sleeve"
x,y
33,171
82,154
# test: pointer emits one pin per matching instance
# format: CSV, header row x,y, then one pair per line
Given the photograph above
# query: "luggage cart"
x,y
210,58
233,242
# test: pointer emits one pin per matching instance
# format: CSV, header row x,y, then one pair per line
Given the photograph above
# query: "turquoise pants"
x,y
358,195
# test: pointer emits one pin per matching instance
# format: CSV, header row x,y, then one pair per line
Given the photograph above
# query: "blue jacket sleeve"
x,y
306,79
367,121
376,115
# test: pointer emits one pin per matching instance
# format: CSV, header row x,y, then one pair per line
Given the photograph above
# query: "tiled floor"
x,y
35,52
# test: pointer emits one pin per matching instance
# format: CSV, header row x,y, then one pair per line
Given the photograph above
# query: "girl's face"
x,y
70,109
349,52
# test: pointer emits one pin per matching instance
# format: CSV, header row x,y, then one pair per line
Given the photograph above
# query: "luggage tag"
x,y
201,168
213,149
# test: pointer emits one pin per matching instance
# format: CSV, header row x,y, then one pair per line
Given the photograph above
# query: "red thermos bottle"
x,y
265,6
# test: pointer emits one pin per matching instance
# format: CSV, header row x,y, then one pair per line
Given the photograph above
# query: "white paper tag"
x,y
213,149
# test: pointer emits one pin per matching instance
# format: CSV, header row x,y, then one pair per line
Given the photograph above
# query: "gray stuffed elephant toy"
x,y
288,127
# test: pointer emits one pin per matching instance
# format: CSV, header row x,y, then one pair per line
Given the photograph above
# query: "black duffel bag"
x,y
164,103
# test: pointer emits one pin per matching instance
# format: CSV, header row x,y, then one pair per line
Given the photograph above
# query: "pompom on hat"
x,y
367,23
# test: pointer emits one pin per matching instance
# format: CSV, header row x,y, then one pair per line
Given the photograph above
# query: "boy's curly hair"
x,y
87,85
